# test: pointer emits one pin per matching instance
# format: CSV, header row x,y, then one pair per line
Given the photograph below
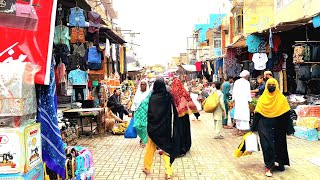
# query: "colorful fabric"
x,y
78,77
274,104
53,153
141,119
182,99
253,43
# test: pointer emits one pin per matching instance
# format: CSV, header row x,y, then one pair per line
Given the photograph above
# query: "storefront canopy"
x,y
189,68
113,37
240,43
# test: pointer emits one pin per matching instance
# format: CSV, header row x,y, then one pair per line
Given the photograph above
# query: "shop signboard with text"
x,y
26,33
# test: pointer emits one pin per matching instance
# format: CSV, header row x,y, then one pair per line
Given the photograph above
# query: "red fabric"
x,y
182,99
276,42
198,66
250,56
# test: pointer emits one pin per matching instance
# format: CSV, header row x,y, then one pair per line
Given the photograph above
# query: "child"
x,y
219,113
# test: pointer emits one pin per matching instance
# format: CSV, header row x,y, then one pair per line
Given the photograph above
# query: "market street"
x,y
118,158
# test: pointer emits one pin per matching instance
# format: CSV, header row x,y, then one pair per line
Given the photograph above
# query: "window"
x,y
281,3
238,22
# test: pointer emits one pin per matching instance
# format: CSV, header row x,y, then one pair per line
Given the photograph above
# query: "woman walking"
x,y
140,109
272,121
184,105
163,128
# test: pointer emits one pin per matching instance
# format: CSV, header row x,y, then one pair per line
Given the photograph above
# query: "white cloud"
x,y
164,25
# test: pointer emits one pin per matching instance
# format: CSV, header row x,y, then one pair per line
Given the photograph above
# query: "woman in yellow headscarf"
x,y
272,121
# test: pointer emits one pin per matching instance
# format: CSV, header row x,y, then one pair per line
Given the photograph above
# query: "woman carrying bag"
x,y
272,121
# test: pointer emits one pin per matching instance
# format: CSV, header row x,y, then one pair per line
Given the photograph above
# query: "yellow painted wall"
x,y
258,15
297,9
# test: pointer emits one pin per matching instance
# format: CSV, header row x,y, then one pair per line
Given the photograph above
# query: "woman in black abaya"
x,y
272,121
163,128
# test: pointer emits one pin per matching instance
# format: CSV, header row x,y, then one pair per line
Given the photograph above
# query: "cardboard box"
x,y
35,174
20,149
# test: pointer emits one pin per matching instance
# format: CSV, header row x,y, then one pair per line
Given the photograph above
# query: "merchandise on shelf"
x,y
308,122
308,111
34,174
20,149
17,121
306,134
17,90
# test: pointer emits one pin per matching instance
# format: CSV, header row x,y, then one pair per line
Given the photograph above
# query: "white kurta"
x,y
194,98
241,96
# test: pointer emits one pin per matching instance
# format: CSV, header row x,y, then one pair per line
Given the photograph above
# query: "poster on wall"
x,y
26,33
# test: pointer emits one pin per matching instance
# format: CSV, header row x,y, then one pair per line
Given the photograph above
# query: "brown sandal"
x,y
168,177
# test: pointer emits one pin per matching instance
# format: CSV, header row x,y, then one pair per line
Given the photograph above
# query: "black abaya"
x,y
273,140
163,123
185,134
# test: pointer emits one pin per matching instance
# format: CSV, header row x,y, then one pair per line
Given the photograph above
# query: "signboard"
x,y
27,30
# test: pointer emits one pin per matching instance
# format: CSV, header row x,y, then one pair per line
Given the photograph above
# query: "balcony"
x,y
237,4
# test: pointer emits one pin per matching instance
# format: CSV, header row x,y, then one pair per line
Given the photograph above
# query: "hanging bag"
x,y
131,131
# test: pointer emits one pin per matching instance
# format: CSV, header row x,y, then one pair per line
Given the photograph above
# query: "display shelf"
x,y
311,62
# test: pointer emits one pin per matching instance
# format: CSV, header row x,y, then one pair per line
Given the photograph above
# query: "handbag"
x,y
131,131
211,103
251,143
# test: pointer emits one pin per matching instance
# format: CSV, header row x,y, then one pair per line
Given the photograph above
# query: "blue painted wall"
x,y
215,21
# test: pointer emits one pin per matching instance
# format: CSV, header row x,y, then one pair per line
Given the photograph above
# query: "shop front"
x,y
58,68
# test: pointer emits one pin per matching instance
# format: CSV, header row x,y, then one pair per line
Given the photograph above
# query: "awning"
x,y
113,37
132,68
130,59
240,43
189,68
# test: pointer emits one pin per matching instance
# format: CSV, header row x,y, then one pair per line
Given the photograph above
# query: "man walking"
x,y
242,97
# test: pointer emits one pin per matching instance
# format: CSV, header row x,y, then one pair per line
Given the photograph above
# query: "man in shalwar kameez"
x,y
242,97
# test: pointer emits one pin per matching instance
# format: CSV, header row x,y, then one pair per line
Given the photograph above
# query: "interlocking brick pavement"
x,y
118,158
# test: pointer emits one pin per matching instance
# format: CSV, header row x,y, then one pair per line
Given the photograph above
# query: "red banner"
x,y
26,33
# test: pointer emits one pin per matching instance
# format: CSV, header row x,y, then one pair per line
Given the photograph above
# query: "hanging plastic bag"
x,y
241,150
251,143
131,131
211,103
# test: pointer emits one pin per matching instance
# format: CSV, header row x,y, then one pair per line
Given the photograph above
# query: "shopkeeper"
x,y
261,87
267,75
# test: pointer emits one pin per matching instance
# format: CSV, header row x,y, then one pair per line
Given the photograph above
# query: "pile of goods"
x,y
308,124
296,100
20,136
120,129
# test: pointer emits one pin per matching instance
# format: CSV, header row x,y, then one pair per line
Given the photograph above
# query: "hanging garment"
x,y
253,43
121,60
260,60
298,54
78,77
285,82
77,17
276,40
315,71
114,53
79,91
94,58
61,52
307,54
304,73
281,81
61,73
61,35
77,35
209,67
94,21
80,50
77,62
316,54
277,62
53,153
107,50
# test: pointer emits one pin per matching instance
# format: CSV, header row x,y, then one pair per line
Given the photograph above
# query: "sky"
x,y
164,25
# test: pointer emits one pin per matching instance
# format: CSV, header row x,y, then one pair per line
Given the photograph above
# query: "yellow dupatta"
x,y
271,105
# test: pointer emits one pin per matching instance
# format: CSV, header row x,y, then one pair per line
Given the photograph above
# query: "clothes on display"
x,y
77,17
260,60
78,77
61,35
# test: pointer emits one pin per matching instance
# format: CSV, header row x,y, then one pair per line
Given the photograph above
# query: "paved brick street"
x,y
119,158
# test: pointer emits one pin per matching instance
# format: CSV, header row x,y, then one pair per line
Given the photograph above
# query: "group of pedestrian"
x,y
161,116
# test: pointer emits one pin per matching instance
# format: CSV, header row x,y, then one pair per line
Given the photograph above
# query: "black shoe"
x,y
279,167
